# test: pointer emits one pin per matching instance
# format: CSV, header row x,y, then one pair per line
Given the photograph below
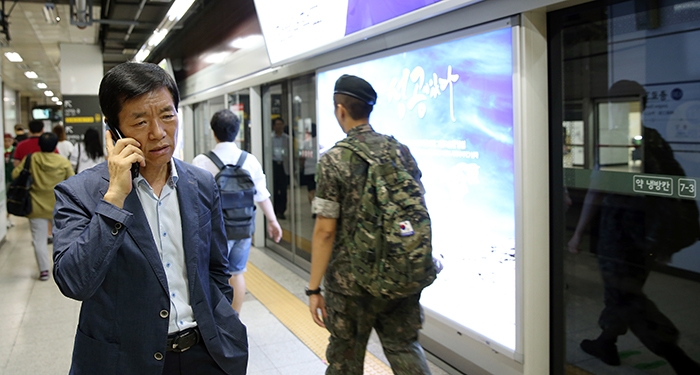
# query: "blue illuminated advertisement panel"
x,y
452,104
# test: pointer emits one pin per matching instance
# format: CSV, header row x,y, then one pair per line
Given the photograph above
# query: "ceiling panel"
x,y
38,42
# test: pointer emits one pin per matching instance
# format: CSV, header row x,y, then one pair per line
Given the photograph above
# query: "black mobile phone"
x,y
116,134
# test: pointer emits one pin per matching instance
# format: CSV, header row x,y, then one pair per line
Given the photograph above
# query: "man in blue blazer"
x,y
145,251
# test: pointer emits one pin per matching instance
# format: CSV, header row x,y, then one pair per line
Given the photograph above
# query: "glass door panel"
x,y
305,158
277,145
625,164
291,154
239,103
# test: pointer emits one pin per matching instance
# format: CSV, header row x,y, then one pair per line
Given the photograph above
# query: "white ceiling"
x,y
39,44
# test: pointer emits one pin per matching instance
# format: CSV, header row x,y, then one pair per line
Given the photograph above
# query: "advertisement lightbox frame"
x,y
447,328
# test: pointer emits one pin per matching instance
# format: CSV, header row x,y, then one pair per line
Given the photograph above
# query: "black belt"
x,y
183,340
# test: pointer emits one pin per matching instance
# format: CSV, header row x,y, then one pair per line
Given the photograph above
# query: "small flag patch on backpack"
x,y
406,228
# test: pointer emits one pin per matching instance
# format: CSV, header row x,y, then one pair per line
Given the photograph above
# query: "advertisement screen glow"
x,y
292,28
452,104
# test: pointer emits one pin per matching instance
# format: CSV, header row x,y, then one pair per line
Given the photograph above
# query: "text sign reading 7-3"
x,y
653,185
686,187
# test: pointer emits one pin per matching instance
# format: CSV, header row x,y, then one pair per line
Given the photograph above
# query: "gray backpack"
x,y
237,191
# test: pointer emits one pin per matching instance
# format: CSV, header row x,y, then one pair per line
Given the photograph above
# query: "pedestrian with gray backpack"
x,y
242,185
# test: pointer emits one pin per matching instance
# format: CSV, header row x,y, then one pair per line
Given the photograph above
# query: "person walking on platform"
x,y
31,144
9,166
280,167
64,147
89,152
348,310
47,169
225,125
20,135
145,251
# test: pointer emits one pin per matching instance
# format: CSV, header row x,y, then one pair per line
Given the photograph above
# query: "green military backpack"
x,y
390,249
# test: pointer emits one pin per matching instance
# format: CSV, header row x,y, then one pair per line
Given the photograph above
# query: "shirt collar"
x,y
226,146
172,180
360,129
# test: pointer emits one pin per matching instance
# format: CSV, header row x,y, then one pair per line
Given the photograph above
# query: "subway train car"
x,y
538,125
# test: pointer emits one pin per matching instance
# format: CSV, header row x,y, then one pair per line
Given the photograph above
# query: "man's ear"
x,y
342,112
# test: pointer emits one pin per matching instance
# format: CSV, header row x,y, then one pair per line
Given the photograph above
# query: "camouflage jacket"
x,y
340,180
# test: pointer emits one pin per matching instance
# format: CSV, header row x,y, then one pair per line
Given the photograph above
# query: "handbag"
x,y
19,203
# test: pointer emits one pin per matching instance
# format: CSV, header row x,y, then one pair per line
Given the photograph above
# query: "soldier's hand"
x,y
316,302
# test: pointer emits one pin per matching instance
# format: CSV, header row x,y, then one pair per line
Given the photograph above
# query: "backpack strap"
x,y
212,156
241,159
363,151
27,162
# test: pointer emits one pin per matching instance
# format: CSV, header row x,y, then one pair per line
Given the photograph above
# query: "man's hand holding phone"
x,y
121,154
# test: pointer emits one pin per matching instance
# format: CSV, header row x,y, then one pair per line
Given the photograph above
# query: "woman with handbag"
x,y
47,169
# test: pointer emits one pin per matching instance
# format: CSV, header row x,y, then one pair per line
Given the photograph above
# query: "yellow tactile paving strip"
x,y
295,315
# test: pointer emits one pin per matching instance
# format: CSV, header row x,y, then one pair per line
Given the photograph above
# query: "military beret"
x,y
356,87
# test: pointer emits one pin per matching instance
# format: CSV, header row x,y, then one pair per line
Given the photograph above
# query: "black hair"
x,y
93,143
274,120
36,126
225,125
357,109
48,142
128,81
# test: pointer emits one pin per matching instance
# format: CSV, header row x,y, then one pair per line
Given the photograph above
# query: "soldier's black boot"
x,y
603,349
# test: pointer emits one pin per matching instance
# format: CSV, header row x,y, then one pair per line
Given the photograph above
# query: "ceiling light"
x,y
41,85
248,41
178,9
59,102
157,37
48,93
175,13
54,99
142,54
13,56
215,58
31,74
50,13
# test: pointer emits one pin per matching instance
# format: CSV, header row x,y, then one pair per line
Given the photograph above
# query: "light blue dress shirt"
x,y
163,215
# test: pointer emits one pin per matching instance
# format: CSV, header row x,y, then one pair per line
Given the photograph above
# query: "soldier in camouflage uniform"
x,y
349,312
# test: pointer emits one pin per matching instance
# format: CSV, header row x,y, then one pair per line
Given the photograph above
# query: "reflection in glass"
x,y
631,145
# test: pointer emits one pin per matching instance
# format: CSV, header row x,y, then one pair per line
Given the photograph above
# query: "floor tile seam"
x,y
263,279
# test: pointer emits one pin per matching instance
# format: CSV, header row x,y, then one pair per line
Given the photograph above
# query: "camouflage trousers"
x,y
350,321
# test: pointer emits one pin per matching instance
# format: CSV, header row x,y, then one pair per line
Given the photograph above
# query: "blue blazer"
x,y
106,257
